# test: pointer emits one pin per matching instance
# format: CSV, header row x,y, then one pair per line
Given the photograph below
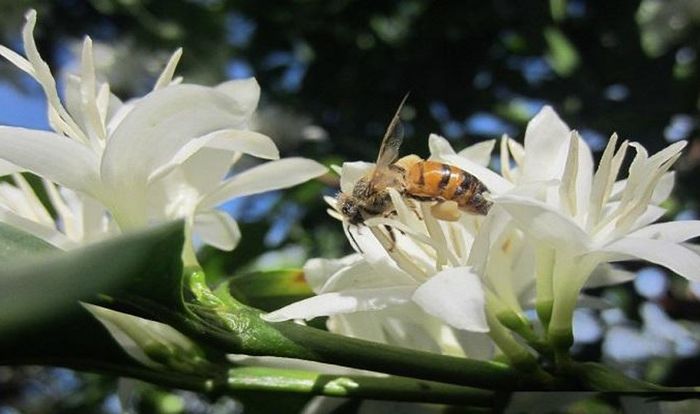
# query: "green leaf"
x,y
562,54
39,286
15,243
557,9
270,290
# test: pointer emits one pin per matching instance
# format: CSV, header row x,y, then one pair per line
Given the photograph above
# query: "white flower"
x,y
420,289
160,157
579,217
373,301
554,228
80,219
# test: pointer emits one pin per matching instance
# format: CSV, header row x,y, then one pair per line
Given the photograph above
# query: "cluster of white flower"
x,y
555,226
111,166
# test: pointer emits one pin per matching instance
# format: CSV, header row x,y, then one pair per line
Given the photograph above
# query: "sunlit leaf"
x,y
563,55
31,289
15,243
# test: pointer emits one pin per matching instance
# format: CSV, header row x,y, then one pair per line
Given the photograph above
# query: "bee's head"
x,y
349,208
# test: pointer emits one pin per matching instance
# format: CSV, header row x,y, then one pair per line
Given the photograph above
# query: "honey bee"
x,y
454,189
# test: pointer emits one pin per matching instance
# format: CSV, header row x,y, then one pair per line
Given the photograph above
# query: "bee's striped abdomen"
x,y
435,180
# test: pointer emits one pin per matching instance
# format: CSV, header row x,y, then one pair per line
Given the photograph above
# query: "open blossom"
x,y
414,287
587,217
556,225
82,219
160,157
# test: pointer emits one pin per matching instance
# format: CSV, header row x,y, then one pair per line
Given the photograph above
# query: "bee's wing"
x,y
389,150
393,137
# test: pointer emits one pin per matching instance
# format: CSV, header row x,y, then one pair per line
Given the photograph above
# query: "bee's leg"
x,y
414,208
392,236
446,210
348,233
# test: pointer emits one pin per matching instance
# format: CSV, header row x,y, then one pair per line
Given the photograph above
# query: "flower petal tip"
x,y
273,317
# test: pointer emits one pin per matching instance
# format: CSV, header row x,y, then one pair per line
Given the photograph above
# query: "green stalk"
x,y
560,331
235,381
544,284
355,386
226,325
217,321
516,353
516,322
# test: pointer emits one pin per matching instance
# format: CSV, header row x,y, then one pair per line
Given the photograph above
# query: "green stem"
x,y
355,386
246,379
560,332
544,284
228,326
235,328
516,322
516,353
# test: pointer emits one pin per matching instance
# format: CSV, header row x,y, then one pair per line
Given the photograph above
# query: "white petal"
x,y
351,172
505,159
232,140
217,229
516,149
544,223
494,182
651,215
317,271
673,256
244,92
364,275
167,75
342,302
205,169
567,189
44,232
114,323
272,175
606,275
58,116
664,188
480,152
51,156
661,192
584,179
475,345
95,124
673,231
74,100
7,168
17,60
364,325
439,146
160,124
667,153
454,296
134,334
545,135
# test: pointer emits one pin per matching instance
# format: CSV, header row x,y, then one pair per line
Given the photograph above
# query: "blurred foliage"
x,y
333,71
